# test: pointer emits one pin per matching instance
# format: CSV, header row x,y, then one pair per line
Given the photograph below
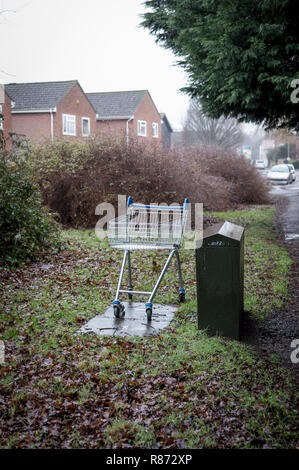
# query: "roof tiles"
x,y
116,105
35,96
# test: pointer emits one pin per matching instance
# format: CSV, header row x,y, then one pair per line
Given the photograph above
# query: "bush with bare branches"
x,y
75,177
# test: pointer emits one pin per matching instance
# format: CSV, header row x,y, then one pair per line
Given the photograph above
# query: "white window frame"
x,y
72,121
88,120
1,120
155,130
142,128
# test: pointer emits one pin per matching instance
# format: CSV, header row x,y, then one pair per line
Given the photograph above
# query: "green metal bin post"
x,y
220,280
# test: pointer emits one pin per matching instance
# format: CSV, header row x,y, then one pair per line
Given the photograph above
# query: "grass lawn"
x,y
180,389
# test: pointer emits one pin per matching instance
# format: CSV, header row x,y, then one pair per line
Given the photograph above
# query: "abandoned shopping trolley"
x,y
147,227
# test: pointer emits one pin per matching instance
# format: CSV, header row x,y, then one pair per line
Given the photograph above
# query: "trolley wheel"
x,y
182,297
119,311
149,313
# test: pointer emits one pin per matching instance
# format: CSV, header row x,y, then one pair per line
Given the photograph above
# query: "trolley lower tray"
x,y
133,324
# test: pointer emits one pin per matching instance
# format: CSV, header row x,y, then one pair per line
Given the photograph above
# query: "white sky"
x,y
97,42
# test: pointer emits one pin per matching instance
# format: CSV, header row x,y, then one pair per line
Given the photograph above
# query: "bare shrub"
x,y
247,186
75,177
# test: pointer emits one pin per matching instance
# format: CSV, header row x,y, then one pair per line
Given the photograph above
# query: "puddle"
x,y
291,236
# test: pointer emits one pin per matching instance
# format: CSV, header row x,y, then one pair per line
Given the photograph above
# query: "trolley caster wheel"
x,y
182,297
119,311
149,313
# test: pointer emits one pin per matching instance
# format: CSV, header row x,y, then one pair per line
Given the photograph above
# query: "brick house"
x,y
131,113
5,121
48,110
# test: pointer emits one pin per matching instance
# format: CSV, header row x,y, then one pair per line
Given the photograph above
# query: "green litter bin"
x,y
220,280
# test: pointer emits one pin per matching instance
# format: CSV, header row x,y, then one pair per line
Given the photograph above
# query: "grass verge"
x,y
266,263
180,389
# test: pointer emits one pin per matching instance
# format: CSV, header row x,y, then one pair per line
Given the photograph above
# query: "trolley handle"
x,y
148,206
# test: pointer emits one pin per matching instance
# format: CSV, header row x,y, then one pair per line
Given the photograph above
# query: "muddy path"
x,y
275,334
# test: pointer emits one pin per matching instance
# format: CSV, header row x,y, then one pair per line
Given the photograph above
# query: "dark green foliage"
x,y
27,230
240,56
296,164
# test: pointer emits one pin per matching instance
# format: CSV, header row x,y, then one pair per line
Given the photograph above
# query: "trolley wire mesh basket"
x,y
148,227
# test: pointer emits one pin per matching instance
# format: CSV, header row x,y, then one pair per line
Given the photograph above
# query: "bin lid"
x,y
223,234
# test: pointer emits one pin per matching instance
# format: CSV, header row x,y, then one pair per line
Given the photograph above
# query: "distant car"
x,y
293,172
280,174
260,164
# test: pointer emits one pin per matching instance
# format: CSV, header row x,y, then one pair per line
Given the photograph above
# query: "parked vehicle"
x,y
280,174
260,164
293,172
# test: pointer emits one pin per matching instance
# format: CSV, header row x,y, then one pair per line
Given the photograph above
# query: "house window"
x,y
142,128
1,120
155,129
68,124
85,127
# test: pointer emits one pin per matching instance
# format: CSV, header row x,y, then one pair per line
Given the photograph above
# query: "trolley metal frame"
x,y
148,227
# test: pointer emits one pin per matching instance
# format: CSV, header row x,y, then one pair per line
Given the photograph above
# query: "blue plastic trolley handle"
x,y
130,203
186,201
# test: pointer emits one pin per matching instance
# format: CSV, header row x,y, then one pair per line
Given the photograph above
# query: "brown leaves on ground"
x,y
180,389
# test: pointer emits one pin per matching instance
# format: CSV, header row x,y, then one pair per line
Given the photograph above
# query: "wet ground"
x,y
275,334
289,217
134,323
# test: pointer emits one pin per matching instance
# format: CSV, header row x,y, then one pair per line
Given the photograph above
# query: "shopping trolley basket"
x,y
147,227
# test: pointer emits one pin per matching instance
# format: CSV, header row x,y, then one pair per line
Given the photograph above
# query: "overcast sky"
x,y
97,42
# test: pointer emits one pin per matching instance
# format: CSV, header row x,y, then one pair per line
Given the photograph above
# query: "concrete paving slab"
x,y
134,322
